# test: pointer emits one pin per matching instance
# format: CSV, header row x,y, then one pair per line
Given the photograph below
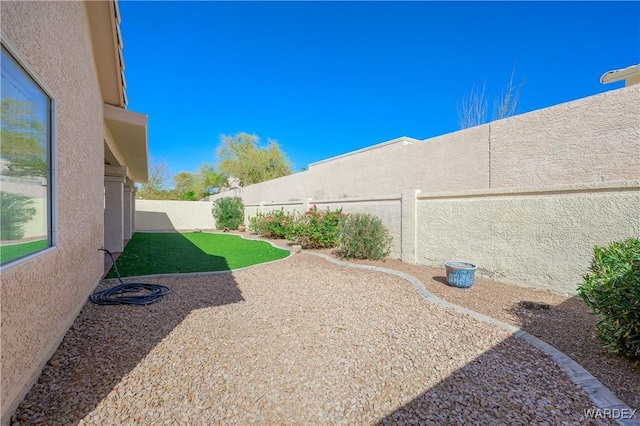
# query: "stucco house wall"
x,y
42,295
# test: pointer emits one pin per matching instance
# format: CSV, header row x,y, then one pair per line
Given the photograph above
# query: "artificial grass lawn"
x,y
15,251
171,253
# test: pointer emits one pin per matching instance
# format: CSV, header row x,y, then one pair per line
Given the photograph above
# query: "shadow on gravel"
x,y
106,342
614,371
506,385
499,384
442,280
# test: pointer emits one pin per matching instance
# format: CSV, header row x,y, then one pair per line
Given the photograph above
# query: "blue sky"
x,y
326,78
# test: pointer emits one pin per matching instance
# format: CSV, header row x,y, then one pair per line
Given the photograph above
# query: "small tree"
x,y
506,105
474,107
15,211
228,212
473,110
156,186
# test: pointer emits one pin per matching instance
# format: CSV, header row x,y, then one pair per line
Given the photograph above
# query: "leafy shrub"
x,y
228,212
363,236
612,291
316,229
256,224
275,224
16,210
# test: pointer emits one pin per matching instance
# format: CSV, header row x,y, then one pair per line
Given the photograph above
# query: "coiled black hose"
x,y
118,295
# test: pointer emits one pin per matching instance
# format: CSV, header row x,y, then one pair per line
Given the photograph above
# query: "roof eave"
x,y
621,74
104,21
129,132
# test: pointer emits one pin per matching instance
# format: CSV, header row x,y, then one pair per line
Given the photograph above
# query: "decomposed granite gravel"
x,y
300,341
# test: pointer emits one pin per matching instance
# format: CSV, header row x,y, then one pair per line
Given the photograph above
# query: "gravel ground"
x,y
568,325
300,341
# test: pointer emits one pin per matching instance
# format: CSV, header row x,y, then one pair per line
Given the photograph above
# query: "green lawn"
x,y
170,253
15,251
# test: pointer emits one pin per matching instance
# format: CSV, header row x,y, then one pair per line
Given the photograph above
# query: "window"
x,y
25,163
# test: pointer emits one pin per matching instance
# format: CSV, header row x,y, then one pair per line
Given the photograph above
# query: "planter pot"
x,y
242,228
460,274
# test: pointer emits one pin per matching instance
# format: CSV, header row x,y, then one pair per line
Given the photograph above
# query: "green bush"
x,y
278,224
316,229
363,236
15,211
256,224
228,212
612,290
275,224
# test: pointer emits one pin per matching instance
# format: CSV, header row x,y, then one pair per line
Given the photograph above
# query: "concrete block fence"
x,y
539,237
533,237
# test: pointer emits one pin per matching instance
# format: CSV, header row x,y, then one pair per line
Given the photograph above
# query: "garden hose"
x,y
118,295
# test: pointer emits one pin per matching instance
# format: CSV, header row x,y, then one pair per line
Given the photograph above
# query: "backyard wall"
x,y
526,198
42,295
159,215
535,237
35,228
387,208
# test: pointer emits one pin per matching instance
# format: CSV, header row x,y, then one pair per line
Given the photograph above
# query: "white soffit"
x,y
622,74
104,22
129,132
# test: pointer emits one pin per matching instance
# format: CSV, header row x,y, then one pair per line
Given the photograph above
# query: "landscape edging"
x,y
601,396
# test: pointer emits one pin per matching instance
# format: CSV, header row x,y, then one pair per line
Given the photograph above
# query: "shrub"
x,y
256,224
16,210
363,236
316,229
612,290
228,212
275,224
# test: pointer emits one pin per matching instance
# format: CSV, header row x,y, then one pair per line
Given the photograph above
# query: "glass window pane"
x,y
25,152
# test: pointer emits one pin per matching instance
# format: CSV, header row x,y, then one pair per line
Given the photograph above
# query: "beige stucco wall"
x,y
160,215
387,208
595,139
41,296
534,237
543,238
456,161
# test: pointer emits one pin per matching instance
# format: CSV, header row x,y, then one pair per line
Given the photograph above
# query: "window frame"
x,y
52,175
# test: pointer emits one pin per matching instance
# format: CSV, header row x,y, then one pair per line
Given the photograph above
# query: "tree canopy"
x,y
202,183
240,156
23,139
156,186
186,186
